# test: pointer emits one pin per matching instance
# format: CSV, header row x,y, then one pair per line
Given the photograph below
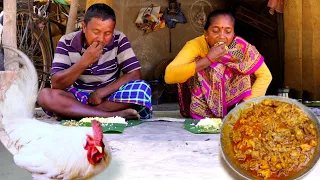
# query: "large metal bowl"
x,y
233,116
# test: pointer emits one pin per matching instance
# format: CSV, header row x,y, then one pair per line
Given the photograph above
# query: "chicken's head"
x,y
94,145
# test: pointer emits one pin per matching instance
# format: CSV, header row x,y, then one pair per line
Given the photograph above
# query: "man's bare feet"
x,y
129,114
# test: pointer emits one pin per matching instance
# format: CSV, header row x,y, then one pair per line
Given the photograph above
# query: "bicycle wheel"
x,y
32,41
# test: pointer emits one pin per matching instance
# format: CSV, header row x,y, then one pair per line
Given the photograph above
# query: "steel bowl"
x,y
233,116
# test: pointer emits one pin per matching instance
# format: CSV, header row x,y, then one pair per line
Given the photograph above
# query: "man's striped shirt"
x,y
117,55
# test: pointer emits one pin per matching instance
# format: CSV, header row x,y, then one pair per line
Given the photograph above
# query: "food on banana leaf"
x,y
209,124
115,119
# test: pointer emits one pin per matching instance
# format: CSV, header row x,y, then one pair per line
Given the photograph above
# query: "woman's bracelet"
x,y
210,59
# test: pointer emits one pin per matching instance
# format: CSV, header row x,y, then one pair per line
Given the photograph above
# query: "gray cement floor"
x,y
8,170
156,149
160,150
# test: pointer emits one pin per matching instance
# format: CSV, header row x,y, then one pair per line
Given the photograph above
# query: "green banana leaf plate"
x,y
190,125
106,127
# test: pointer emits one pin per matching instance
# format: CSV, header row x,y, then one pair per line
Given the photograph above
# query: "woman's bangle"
x,y
210,59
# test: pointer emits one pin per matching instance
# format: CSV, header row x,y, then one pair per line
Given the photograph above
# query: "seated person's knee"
x,y
44,95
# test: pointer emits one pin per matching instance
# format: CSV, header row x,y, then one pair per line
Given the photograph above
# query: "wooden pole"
x,y
9,38
9,35
72,19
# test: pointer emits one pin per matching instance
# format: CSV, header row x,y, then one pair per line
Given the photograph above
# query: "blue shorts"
x,y
136,92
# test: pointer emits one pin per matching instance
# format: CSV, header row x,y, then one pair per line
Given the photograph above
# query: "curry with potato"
x,y
274,139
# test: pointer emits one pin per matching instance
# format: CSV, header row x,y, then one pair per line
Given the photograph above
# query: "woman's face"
x,y
221,29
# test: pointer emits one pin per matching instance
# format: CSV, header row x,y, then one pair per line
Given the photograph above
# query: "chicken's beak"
x,y
99,148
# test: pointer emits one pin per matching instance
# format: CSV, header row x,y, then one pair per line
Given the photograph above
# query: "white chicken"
x,y
49,151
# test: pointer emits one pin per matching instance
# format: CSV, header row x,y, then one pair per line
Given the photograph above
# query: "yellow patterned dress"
x,y
209,92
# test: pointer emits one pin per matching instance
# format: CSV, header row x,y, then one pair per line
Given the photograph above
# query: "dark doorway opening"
x,y
265,32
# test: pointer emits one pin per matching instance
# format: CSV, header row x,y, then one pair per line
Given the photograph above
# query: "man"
x,y
86,69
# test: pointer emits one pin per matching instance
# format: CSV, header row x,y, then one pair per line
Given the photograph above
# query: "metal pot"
x,y
233,116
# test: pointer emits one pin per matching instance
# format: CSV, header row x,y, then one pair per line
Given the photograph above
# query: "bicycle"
x,y
34,32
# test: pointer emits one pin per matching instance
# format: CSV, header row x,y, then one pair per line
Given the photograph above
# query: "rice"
x,y
115,119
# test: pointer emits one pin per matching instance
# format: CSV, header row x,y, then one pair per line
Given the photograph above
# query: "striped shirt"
x,y
117,55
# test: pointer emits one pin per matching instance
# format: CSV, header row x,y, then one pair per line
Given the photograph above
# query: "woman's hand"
x,y
216,53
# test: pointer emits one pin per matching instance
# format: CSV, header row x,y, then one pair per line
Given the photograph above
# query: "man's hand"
x,y
217,52
93,52
94,98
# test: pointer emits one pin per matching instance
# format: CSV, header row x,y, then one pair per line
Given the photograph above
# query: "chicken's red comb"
x,y
97,130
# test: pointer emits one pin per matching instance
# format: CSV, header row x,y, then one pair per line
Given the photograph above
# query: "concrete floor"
x,y
154,150
157,149
8,170
162,150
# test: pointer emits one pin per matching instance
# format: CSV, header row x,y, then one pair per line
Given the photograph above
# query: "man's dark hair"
x,y
214,14
101,11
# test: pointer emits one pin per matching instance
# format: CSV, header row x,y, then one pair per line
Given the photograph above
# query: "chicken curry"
x,y
274,139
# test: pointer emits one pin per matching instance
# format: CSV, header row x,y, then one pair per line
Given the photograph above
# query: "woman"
x,y
212,78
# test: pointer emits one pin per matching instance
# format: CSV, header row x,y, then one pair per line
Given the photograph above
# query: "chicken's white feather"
x,y
46,150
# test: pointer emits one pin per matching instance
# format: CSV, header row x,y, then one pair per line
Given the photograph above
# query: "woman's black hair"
x,y
215,14
101,11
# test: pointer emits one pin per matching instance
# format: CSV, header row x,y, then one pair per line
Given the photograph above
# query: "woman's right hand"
x,y
217,52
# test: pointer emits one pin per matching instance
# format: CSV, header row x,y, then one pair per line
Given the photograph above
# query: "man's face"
x,y
98,30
